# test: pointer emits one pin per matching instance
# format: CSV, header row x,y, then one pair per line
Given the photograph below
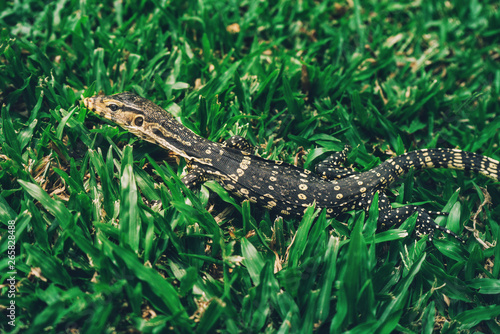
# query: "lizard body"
x,y
279,186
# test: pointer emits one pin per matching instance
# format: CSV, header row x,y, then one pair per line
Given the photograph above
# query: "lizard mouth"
x,y
89,103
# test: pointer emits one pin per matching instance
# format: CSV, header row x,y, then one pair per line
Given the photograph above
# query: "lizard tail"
x,y
445,158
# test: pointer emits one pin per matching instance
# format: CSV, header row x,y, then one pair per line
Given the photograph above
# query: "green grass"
x,y
109,240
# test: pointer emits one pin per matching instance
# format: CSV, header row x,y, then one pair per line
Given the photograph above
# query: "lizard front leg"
x,y
198,174
238,143
195,178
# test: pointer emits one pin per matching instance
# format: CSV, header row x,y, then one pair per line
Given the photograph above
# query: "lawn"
x,y
107,238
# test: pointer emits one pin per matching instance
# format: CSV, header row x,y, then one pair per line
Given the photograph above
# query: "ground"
x,y
107,240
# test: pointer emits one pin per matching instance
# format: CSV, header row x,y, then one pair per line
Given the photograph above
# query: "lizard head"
x,y
127,109
145,119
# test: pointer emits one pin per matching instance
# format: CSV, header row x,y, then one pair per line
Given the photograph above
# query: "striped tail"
x,y
430,158
445,158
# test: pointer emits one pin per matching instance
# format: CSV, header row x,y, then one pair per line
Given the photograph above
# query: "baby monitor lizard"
x,y
279,186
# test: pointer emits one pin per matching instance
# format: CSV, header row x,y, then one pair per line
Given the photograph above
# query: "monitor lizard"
x,y
278,186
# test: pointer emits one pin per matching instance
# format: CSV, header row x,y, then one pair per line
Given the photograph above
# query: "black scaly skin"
x,y
279,186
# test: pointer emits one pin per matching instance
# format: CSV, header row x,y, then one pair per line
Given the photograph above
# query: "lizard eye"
x,y
113,107
139,121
